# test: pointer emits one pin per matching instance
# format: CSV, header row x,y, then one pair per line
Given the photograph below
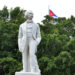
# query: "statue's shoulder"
x,y
22,25
36,24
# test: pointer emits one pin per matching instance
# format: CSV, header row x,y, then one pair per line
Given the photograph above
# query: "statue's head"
x,y
29,15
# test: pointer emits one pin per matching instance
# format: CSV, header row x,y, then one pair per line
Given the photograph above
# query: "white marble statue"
x,y
28,39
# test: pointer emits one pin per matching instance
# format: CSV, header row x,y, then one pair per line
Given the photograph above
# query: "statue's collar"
x,y
29,21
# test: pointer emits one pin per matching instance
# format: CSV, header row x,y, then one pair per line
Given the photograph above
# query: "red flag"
x,y
51,13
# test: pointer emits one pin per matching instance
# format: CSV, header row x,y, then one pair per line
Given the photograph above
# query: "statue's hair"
x,y
26,13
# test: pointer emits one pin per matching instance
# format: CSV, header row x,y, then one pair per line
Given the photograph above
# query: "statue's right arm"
x,y
20,35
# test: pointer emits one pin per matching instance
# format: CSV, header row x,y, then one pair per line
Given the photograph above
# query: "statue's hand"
x,y
36,43
21,49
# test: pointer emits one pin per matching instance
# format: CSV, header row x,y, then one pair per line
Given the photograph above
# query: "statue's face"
x,y
30,15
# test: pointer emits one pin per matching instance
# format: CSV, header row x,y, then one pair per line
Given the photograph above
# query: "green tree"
x,y
57,46
17,15
4,13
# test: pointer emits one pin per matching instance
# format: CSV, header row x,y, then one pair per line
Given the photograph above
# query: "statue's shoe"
x,y
36,71
32,70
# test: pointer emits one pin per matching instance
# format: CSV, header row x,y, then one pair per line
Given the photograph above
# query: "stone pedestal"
x,y
26,73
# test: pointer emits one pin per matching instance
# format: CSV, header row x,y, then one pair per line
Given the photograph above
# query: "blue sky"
x,y
62,8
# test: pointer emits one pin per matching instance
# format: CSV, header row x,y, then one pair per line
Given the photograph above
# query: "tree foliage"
x,y
57,48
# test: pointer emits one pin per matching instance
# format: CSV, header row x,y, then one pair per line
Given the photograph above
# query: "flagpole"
x,y
48,9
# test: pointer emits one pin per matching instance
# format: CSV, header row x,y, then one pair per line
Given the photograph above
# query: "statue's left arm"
x,y
38,35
